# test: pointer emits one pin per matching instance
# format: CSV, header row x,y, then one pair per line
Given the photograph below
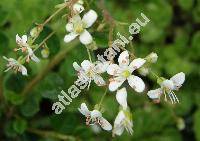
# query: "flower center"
x,y
126,73
79,28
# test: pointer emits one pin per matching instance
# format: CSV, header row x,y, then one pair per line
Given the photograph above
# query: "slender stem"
x,y
52,134
53,15
57,59
154,74
89,55
48,37
102,98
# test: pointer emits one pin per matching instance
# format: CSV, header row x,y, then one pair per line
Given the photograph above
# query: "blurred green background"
x,y
173,33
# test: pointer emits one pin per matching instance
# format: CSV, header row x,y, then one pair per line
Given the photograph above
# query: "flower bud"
x,y
144,71
152,58
45,52
35,31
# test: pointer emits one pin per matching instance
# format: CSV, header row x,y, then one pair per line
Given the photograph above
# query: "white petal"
x,y
101,67
121,97
84,110
118,130
155,94
85,37
136,63
69,27
35,58
115,83
69,37
23,70
136,83
24,38
99,80
123,59
18,39
78,8
89,18
76,66
113,69
120,117
105,124
87,65
168,84
178,79
96,114
75,19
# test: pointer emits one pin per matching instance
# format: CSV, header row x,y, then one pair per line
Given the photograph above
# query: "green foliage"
x,y
173,33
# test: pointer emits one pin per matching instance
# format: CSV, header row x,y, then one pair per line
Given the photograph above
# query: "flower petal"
x,y
23,70
84,110
76,66
136,63
121,97
96,114
113,69
118,126
178,79
24,38
35,58
78,8
168,84
115,83
18,39
155,94
71,36
105,124
69,27
101,67
136,83
99,80
123,59
89,18
87,65
85,37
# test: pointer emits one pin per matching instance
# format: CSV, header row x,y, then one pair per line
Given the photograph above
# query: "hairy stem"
x,y
57,59
52,134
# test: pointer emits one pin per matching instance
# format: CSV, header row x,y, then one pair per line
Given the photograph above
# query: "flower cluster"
x,y
119,73
126,69
25,46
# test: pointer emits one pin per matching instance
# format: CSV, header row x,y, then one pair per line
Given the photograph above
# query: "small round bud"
x,y
45,52
152,58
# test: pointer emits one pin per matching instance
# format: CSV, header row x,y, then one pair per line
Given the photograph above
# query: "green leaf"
x,y
20,125
30,107
14,98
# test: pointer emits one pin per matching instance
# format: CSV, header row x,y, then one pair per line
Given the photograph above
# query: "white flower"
x,y
167,88
94,117
78,26
24,47
124,71
90,71
123,121
15,65
78,6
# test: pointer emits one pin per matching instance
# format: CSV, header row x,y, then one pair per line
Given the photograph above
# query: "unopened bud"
x,y
35,31
143,71
152,58
45,52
